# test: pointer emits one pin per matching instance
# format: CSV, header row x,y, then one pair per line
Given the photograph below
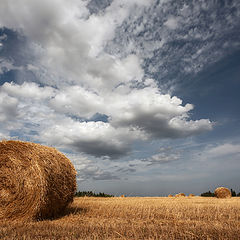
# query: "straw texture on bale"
x,y
222,192
180,195
36,181
170,195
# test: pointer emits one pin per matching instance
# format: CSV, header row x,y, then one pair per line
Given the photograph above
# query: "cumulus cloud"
x,y
8,107
69,24
95,138
27,90
78,76
145,109
159,115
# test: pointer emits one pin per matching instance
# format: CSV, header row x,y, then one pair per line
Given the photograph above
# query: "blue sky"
x,y
142,96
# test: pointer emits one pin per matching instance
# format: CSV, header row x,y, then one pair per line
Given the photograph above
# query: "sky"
x,y
142,95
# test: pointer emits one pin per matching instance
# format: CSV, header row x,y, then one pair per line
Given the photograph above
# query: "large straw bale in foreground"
x,y
36,182
222,192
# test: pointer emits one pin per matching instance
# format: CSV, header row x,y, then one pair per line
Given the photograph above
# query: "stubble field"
x,y
136,218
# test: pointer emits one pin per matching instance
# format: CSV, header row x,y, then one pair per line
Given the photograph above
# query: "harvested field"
x,y
136,218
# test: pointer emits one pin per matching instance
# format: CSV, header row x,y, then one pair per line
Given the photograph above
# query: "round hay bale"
x,y
191,195
180,195
170,195
123,195
222,192
36,181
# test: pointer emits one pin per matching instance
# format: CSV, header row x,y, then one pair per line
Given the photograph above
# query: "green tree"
x,y
233,193
91,194
207,194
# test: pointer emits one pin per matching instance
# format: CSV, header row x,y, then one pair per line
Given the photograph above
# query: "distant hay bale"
x,y
222,192
36,181
180,195
191,195
123,195
170,195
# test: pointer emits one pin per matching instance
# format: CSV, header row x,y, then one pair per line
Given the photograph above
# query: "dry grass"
x,y
136,218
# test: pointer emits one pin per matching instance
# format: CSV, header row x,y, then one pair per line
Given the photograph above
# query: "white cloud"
x,y
224,150
171,23
71,38
77,101
27,90
8,107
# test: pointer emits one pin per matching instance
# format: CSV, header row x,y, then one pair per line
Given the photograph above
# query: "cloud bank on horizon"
x,y
97,80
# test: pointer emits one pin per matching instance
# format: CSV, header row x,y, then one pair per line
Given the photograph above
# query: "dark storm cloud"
x,y
100,148
165,128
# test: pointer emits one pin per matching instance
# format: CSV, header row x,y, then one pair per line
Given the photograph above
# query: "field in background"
x,y
136,218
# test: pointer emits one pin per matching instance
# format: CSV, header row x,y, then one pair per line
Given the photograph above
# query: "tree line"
x,y
211,194
101,194
91,194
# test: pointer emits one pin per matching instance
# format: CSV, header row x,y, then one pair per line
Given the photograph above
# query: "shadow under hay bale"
x,y
222,192
69,211
36,181
180,195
